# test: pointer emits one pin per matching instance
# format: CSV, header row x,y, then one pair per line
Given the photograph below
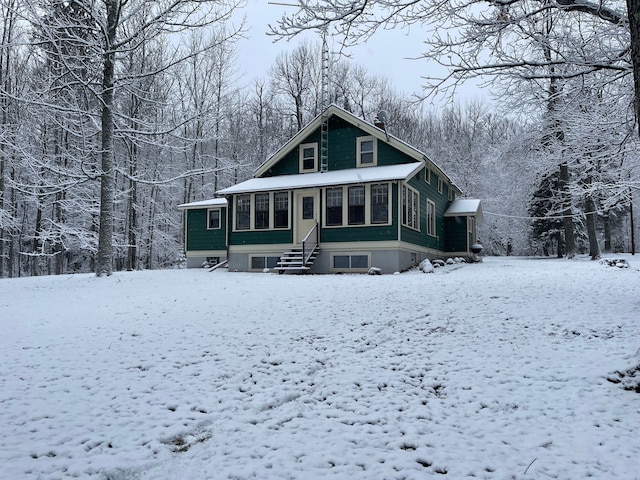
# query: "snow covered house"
x,y
343,195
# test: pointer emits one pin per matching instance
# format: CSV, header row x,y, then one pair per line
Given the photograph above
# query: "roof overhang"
x,y
351,176
212,202
465,207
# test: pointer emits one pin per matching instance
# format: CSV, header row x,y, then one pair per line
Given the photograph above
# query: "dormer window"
x,y
367,155
308,157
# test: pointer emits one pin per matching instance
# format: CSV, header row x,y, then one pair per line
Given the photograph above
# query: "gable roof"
x,y
370,129
465,207
348,176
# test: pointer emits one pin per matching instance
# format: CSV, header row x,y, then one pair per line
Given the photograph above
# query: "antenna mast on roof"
x,y
324,84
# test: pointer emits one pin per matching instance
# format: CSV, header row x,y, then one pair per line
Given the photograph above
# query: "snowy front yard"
x,y
494,371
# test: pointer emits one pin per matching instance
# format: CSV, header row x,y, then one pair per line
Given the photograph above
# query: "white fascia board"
x,y
212,202
351,176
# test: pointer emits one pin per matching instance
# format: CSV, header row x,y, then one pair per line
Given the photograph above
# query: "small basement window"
x,y
262,262
350,262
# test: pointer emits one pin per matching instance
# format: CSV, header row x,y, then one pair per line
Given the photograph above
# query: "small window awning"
x,y
212,202
465,207
351,176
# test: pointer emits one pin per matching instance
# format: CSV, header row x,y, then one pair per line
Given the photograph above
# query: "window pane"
x,y
262,210
356,205
307,208
366,151
243,214
334,206
359,261
341,261
214,218
380,203
257,262
308,158
281,213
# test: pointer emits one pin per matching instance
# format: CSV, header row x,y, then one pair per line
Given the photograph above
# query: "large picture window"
x,y
262,211
380,203
431,218
243,212
281,210
356,205
334,206
410,208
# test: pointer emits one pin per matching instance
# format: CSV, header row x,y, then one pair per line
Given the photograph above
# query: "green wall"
x,y
198,237
342,150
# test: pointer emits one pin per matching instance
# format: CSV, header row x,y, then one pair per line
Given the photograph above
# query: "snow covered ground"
x,y
495,370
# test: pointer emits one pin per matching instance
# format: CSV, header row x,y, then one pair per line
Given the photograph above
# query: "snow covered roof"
x,y
372,130
349,176
212,202
464,207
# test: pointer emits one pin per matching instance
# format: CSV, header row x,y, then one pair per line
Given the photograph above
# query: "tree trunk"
x,y
607,232
633,14
594,247
107,180
567,220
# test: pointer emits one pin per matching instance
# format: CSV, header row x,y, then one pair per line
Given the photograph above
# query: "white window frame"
x,y
431,218
252,212
219,210
359,152
235,212
410,202
367,207
301,158
440,183
427,175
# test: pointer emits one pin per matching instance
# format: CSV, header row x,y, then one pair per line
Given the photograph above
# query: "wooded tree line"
x,y
114,112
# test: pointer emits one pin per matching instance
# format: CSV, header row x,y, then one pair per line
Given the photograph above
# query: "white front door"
x,y
307,212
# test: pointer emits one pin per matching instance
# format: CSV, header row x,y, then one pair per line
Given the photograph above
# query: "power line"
x,y
548,217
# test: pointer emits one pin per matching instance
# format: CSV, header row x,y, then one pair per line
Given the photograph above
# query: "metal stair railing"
x,y
309,244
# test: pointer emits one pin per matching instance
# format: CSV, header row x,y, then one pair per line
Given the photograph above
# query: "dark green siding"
x,y
198,237
260,237
456,234
428,191
342,150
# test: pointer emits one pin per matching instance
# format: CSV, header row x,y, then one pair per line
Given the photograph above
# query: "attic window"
x,y
308,157
367,155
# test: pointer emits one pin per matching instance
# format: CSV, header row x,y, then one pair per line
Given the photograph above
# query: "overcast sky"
x,y
388,53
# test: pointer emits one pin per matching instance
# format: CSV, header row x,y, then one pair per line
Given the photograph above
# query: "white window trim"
x,y
359,142
427,175
252,213
219,219
349,254
417,193
367,207
431,226
440,183
315,157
